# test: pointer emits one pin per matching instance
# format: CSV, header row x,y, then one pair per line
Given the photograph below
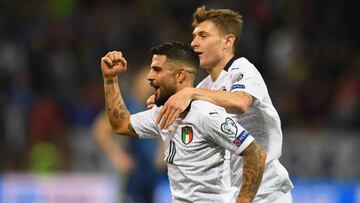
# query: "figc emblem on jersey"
x,y
229,127
186,134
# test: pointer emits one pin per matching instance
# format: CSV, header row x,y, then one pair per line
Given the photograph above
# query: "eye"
x,y
203,34
156,69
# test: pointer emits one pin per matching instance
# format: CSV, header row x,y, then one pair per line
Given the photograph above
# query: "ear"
x,y
229,40
181,75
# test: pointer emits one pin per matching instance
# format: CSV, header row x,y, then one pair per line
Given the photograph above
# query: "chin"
x,y
159,102
205,67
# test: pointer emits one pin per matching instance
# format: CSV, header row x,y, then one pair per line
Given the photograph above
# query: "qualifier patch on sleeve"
x,y
186,134
229,127
241,138
237,86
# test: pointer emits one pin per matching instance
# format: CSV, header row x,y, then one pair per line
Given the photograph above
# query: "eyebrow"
x,y
155,67
200,33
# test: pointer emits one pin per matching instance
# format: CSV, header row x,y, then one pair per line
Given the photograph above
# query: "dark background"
x,y
51,86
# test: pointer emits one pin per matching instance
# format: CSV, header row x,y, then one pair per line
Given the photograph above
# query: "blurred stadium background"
x,y
51,92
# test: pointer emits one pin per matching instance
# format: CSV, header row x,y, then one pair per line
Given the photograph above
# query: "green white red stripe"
x,y
186,134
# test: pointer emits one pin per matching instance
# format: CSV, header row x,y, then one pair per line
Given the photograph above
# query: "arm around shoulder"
x,y
234,102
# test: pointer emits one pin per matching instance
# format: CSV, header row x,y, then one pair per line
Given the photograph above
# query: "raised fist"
x,y
112,64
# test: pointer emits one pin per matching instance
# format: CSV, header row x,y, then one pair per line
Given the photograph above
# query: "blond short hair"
x,y
226,20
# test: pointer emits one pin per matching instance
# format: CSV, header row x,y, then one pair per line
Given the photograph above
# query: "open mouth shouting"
x,y
157,89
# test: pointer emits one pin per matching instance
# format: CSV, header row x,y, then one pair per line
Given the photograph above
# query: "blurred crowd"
x,y
51,85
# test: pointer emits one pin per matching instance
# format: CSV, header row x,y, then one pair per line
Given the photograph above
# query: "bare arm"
x,y
103,134
233,102
254,163
111,65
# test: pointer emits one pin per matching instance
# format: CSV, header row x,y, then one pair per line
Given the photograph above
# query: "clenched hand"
x,y
112,64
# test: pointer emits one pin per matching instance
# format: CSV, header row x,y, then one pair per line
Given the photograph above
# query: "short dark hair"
x,y
178,51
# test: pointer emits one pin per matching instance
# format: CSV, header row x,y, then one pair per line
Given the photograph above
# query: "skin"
x,y
103,133
112,64
163,77
252,174
215,50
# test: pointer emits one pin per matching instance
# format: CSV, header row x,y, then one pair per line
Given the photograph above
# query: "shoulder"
x,y
205,108
242,69
204,83
241,64
204,115
147,115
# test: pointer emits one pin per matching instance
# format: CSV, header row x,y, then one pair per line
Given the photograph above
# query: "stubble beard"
x,y
164,95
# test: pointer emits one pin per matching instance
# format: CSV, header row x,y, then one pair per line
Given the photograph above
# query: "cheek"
x,y
167,81
212,54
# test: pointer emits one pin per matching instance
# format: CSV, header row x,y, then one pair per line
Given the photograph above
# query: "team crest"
x,y
186,134
229,127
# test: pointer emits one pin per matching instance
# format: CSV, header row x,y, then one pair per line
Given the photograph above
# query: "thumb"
x,y
150,102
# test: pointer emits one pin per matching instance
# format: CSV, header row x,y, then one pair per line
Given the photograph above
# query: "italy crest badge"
x,y
186,134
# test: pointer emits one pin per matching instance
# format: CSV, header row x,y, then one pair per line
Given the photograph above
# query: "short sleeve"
x,y
246,78
144,123
225,132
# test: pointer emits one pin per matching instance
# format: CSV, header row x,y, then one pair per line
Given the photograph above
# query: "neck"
x,y
216,70
183,86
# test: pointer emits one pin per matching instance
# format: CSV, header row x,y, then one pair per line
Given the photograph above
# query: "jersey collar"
x,y
227,66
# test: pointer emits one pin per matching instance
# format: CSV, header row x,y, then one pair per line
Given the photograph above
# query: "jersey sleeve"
x,y
246,79
225,132
144,123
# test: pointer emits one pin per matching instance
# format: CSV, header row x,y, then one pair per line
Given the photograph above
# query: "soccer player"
x,y
198,145
235,84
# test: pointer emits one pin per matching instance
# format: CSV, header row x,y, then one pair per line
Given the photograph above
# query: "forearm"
x,y
237,102
103,134
119,115
254,163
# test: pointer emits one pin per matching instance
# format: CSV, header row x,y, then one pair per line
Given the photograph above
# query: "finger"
x,y
161,113
113,56
164,118
167,121
116,56
108,54
150,100
123,61
107,61
174,114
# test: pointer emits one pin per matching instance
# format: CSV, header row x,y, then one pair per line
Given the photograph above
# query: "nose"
x,y
150,75
194,42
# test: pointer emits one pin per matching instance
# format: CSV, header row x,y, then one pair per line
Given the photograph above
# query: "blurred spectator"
x,y
345,106
50,50
116,150
44,158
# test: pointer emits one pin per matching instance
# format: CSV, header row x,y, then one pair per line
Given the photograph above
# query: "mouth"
x,y
157,92
156,88
198,53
